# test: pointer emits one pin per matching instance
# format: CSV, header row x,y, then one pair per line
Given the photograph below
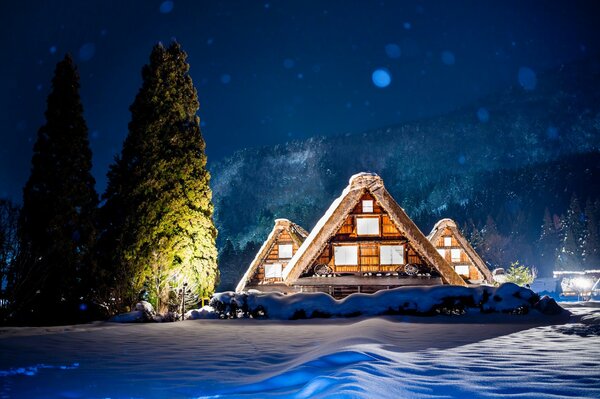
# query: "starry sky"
x,y
273,71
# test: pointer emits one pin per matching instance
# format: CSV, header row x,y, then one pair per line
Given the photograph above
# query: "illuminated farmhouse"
x,y
364,242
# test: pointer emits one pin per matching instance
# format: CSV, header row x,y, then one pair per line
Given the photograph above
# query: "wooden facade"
x,y
456,250
364,242
380,247
274,255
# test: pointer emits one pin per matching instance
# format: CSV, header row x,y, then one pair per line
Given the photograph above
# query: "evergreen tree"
x,y
570,255
591,248
56,228
158,212
548,244
9,244
495,248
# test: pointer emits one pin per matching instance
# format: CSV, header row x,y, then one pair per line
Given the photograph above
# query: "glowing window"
x,y
391,255
367,206
442,252
345,255
455,255
447,241
462,270
273,270
285,251
367,226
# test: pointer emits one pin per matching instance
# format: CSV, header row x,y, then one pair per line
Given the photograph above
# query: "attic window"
x,y
391,255
285,251
455,255
462,270
447,241
367,226
345,255
442,252
367,206
273,270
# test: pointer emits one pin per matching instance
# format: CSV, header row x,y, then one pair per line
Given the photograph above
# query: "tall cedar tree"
x,y
591,246
158,210
548,244
56,227
570,256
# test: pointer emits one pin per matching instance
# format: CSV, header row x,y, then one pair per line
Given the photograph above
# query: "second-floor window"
x,y
285,251
367,226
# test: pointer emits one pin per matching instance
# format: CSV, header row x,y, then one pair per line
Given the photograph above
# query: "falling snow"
x,y
381,77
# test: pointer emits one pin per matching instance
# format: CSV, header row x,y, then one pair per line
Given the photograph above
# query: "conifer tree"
x,y
159,209
570,255
56,228
591,246
548,244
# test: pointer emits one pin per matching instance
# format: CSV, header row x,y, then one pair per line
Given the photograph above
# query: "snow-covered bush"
x,y
143,312
206,312
520,274
445,299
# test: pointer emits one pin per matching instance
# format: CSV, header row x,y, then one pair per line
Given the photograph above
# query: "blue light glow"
x,y
288,63
527,78
552,133
52,50
483,115
393,50
225,78
87,51
448,57
381,77
166,7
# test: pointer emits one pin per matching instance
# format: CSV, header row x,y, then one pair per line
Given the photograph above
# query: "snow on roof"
x,y
439,227
280,225
340,208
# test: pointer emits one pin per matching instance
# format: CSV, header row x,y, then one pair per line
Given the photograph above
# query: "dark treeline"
x,y
544,215
64,258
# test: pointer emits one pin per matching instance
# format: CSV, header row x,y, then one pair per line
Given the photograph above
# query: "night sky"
x,y
273,71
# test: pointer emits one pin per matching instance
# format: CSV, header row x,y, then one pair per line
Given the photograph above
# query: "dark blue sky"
x,y
272,71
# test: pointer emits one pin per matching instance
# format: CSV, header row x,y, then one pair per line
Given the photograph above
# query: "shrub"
x,y
520,274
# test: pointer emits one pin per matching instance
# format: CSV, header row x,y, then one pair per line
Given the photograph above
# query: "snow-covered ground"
x,y
471,356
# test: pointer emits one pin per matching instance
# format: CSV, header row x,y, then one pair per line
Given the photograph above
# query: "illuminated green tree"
x,y
159,214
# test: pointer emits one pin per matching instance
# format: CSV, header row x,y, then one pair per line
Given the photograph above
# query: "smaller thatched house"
x,y
265,271
456,250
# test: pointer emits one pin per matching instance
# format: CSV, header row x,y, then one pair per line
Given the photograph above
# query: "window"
x,y
367,206
273,270
462,270
455,255
442,252
285,251
345,255
367,226
391,255
447,241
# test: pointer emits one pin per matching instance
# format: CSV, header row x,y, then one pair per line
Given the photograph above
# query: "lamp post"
x,y
183,299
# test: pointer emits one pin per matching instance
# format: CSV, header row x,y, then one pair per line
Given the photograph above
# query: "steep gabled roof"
x,y
437,231
333,219
297,233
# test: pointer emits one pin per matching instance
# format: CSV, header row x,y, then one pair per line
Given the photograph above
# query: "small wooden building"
x,y
265,271
456,250
365,242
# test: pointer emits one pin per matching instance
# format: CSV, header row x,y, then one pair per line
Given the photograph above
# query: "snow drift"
x,y
426,301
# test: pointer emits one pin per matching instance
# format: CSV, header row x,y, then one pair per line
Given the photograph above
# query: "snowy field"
x,y
471,356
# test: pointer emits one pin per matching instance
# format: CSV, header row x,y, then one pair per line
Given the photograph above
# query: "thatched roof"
x,y
449,224
297,233
333,219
